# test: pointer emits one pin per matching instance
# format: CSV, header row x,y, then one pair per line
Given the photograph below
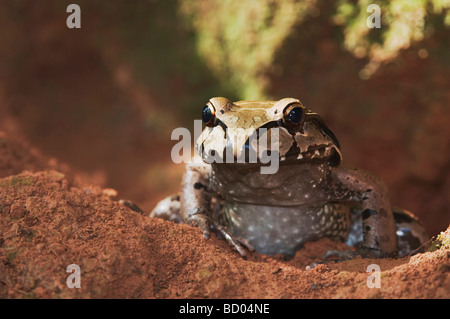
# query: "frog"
x,y
309,197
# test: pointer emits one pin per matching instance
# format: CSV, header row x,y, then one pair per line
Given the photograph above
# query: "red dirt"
x,y
98,100
49,220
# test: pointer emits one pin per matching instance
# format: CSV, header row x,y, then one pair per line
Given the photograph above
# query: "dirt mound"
x,y
49,221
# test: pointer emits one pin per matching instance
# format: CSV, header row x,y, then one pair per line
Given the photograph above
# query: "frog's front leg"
x,y
195,197
196,206
192,204
378,226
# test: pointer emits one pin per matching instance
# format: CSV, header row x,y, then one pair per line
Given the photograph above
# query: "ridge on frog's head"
x,y
234,128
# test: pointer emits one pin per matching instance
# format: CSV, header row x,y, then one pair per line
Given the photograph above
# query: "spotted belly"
x,y
283,230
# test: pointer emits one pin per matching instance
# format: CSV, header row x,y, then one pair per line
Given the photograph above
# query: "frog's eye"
x,y
293,115
209,115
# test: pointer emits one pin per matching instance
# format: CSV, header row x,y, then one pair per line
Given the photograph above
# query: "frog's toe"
x,y
339,255
206,233
244,242
234,241
334,255
131,205
362,252
314,265
200,219
168,209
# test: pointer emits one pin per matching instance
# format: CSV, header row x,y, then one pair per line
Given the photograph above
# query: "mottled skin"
x,y
309,197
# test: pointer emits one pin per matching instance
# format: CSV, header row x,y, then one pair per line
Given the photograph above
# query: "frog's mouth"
x,y
322,152
329,153
316,142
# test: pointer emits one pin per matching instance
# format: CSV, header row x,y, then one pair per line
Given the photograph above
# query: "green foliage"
x,y
403,22
239,39
441,240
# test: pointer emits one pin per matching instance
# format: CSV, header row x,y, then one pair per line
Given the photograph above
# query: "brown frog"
x,y
309,196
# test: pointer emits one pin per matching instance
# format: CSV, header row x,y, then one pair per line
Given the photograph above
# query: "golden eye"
x,y
293,115
209,115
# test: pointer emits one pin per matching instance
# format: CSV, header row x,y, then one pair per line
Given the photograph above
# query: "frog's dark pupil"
x,y
206,114
295,115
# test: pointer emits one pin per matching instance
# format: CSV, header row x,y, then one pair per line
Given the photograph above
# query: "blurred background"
x,y
105,98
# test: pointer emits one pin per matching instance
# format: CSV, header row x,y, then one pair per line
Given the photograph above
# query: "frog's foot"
x,y
202,221
131,205
339,255
351,254
333,255
168,209
236,242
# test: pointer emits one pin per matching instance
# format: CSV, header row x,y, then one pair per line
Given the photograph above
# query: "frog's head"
x,y
234,128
